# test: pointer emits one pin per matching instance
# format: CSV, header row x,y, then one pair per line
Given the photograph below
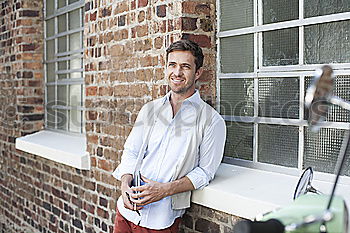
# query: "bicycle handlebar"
x,y
270,226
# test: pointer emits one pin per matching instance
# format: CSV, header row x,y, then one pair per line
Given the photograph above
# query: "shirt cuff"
x,y
198,177
122,170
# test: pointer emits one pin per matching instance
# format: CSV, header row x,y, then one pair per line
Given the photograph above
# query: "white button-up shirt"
x,y
168,141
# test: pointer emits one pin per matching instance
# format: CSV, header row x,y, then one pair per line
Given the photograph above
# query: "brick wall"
x,y
123,60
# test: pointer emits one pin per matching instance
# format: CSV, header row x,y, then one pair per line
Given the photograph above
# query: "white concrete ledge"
x,y
248,192
62,148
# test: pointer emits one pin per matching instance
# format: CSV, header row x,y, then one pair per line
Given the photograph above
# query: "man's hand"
x,y
154,191
151,192
127,192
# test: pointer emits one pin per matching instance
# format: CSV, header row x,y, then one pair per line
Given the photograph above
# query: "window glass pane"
x,y
62,76
279,97
322,150
50,49
75,41
278,145
62,119
280,47
75,121
280,10
62,65
50,72
75,95
325,7
327,43
341,89
62,23
236,14
61,3
51,95
236,54
50,118
76,75
62,44
72,1
237,97
50,27
50,7
75,63
62,95
239,140
74,19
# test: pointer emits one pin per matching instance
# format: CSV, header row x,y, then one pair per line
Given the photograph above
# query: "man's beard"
x,y
183,89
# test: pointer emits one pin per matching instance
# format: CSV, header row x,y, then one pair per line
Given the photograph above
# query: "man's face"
x,y
181,72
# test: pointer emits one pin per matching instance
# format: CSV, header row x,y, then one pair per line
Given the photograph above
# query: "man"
x,y
176,145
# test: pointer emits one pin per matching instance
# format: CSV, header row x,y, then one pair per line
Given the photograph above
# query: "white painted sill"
x,y
248,192
62,148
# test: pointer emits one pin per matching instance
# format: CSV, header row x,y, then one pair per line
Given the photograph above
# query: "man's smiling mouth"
x,y
177,80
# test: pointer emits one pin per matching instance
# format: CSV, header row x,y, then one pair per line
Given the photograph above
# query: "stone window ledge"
x,y
62,148
247,192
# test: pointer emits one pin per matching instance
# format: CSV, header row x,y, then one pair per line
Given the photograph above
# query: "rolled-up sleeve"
x,y
132,147
210,153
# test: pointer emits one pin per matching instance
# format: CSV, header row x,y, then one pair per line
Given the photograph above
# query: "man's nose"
x,y
177,71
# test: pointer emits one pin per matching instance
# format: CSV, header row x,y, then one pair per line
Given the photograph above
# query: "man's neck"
x,y
177,99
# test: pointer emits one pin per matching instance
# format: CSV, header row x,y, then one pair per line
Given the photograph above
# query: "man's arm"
x,y
131,147
210,153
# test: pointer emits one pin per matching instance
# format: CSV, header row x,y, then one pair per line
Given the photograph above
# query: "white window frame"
x,y
251,188
74,55
59,145
299,70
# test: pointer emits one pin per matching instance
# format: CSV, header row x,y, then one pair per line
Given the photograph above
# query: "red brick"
x,y
91,91
158,42
141,16
161,11
121,7
202,40
92,115
104,165
188,24
142,3
142,30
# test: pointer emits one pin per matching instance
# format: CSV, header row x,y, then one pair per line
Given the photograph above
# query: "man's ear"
x,y
199,72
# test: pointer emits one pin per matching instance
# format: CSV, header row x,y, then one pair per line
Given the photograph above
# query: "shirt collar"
x,y
193,99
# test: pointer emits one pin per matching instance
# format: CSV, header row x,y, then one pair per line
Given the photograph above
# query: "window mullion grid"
x,y
67,58
256,37
67,65
302,88
301,45
45,68
301,33
56,64
67,8
257,63
301,127
81,43
256,112
66,33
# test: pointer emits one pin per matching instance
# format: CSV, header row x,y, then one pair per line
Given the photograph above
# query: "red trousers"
x,y
122,225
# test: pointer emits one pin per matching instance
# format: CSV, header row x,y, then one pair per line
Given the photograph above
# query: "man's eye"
x,y
171,65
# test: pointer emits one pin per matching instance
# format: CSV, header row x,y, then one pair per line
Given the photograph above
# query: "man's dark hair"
x,y
187,45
